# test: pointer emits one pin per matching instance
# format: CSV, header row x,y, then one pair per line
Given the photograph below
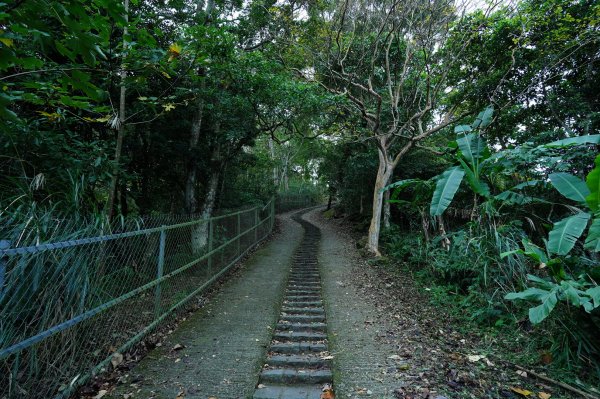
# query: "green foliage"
x,y
445,189
566,232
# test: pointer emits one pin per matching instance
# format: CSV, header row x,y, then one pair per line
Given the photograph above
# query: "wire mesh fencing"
x,y
66,307
286,201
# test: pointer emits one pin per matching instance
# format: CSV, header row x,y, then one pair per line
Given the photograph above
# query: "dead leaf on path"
x,y
177,347
180,395
117,358
327,392
475,358
394,357
261,386
544,395
101,394
521,391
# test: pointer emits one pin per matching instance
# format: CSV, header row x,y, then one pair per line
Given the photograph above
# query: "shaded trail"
x,y
295,367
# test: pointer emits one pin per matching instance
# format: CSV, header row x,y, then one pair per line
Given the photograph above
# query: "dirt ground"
x,y
390,342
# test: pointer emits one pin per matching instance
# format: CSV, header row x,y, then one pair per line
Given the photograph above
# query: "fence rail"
x,y
67,307
289,201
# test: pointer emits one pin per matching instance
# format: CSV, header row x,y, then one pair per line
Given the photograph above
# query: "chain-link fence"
x,y
67,307
289,201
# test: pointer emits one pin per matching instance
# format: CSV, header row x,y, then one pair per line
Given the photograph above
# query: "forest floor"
x,y
396,343
386,337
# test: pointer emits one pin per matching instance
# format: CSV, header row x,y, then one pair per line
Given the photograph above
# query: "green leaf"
x,y
484,118
445,189
462,129
593,183
589,139
535,252
572,294
472,147
539,313
592,241
570,186
565,233
400,184
477,186
594,293
530,294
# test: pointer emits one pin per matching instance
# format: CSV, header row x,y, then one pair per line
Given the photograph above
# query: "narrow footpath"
x,y
223,345
284,327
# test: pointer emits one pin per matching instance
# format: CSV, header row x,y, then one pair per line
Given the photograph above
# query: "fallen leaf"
x,y
261,386
544,395
101,394
522,373
177,347
116,359
521,391
475,358
394,357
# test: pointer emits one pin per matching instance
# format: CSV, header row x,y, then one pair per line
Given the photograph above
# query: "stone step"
x,y
303,318
305,286
305,311
295,376
314,283
311,291
302,297
305,271
273,391
302,326
289,348
299,336
302,304
297,361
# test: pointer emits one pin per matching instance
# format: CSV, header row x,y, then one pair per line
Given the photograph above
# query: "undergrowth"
x,y
469,281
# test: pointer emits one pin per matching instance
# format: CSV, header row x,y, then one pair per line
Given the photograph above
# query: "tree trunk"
x,y
425,224
387,212
384,173
191,182
361,209
112,195
272,153
200,232
442,230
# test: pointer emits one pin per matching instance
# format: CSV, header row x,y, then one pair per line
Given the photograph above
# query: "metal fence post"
x,y
272,213
238,232
160,271
4,244
210,243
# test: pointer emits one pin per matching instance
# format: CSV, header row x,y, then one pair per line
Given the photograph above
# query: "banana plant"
x,y
473,151
561,240
586,194
473,158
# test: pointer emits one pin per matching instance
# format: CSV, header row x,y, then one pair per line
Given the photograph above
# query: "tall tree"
x,y
387,58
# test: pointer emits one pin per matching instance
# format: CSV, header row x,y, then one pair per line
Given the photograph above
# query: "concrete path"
x,y
225,343
361,361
